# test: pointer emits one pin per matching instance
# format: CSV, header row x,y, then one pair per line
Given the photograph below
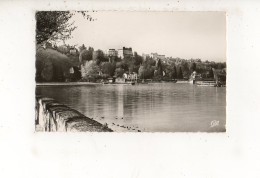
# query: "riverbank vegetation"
x,y
53,64
70,63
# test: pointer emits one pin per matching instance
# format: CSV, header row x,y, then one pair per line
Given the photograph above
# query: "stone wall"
x,y
52,116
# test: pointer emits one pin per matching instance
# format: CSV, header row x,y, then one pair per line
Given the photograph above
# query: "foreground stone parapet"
x,y
52,116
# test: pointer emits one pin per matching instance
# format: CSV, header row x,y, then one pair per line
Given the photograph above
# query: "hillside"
x,y
51,65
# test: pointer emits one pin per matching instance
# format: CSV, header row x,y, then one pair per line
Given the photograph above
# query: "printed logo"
x,y
214,123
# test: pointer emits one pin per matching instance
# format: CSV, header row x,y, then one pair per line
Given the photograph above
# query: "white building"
x,y
130,76
112,53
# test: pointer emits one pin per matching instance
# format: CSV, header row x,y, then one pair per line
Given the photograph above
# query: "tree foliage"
x,y
99,56
159,70
192,67
185,71
171,71
89,69
179,73
82,47
51,65
119,72
55,25
47,70
146,72
85,55
108,68
141,72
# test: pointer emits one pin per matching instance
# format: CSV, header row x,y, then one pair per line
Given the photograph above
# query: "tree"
x,y
85,55
47,71
108,68
119,72
137,60
179,74
113,59
221,65
185,69
99,56
123,64
210,73
89,69
192,67
141,72
171,71
159,71
146,72
174,72
82,47
55,25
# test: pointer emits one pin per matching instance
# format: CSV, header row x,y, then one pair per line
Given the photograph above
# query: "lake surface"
x,y
157,107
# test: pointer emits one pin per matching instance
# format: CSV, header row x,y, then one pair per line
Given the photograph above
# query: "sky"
x,y
174,34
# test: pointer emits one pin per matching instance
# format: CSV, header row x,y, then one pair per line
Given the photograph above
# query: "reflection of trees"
x,y
100,101
120,103
129,102
142,101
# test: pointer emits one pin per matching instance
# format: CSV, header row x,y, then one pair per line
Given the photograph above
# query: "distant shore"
x,y
66,83
98,83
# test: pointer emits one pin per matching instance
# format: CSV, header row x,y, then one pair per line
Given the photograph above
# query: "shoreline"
x,y
66,83
93,83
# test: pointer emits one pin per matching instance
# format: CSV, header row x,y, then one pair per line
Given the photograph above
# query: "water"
x,y
158,107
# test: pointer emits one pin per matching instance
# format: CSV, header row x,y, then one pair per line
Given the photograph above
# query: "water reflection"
x,y
163,107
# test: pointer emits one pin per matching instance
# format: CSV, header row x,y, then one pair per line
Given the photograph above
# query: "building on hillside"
x,y
145,56
73,51
130,76
154,55
157,56
127,78
120,80
194,60
125,52
162,57
111,80
112,53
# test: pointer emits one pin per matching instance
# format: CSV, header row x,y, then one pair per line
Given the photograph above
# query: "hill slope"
x,y
51,65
